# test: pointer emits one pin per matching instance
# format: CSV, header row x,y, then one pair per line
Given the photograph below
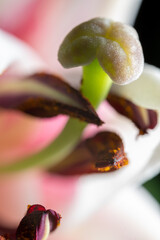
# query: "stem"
x,y
96,83
95,87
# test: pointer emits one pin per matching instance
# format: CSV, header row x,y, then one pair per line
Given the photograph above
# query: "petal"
x,y
17,56
18,190
54,192
101,187
145,91
24,135
131,214
18,59
91,191
45,95
143,118
20,20
102,153
152,168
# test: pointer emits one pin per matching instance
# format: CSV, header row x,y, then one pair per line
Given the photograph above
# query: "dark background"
x,y
147,25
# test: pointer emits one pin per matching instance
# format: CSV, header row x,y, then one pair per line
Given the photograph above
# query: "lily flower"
x,y
75,192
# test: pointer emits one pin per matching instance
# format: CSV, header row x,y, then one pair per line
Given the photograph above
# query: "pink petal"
x,y
29,187
17,191
58,191
22,135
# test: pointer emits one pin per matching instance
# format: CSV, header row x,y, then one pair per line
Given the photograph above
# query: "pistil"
x,y
106,50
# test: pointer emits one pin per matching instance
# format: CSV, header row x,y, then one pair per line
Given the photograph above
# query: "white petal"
x,y
145,91
132,214
17,55
96,189
152,168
